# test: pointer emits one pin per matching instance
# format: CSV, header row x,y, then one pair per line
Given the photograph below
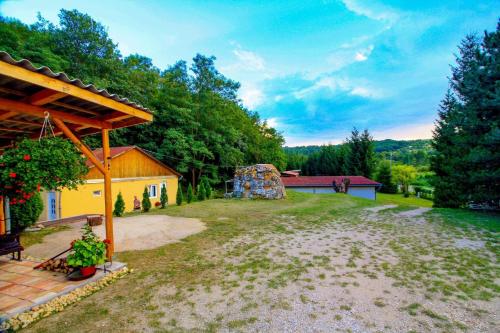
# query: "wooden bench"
x,y
10,244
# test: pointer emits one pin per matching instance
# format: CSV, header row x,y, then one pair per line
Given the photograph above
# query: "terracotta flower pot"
x,y
87,271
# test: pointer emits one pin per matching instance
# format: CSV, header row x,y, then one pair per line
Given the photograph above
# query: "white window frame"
x,y
156,190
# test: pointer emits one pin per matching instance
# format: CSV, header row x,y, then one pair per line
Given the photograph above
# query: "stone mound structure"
x,y
260,181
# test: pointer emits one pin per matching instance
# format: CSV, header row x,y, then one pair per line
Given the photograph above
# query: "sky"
x,y
311,69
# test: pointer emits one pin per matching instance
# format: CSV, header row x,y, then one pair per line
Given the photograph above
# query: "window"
x,y
97,193
153,189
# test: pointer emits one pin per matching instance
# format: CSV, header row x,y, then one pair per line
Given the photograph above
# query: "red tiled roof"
x,y
304,181
114,151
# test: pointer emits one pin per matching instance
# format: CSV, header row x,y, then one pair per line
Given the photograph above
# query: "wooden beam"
x,y
44,96
81,146
42,80
7,115
76,108
15,130
21,107
23,122
108,198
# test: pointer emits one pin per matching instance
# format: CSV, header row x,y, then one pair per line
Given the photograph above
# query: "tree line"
x,y
354,157
200,126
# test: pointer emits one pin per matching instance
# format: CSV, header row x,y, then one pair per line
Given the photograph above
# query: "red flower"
x,y
12,175
106,241
22,201
38,187
27,157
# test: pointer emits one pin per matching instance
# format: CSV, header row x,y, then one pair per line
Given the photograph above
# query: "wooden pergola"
x,y
27,93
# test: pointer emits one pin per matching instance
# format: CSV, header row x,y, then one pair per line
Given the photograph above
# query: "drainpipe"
x,y
7,215
59,205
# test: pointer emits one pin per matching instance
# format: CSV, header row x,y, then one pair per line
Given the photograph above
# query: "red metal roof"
x,y
305,181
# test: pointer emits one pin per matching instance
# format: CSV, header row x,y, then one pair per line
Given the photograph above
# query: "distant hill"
x,y
414,152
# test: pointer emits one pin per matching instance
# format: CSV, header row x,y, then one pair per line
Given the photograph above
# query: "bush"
x,y
26,214
163,197
146,203
119,205
179,198
384,177
158,204
201,195
208,189
189,193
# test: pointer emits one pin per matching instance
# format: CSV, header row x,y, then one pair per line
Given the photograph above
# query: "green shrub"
x,y
189,193
208,189
163,197
119,205
201,195
179,198
146,203
88,251
26,214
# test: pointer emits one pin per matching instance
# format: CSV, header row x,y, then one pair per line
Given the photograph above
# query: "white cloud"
x,y
372,10
363,55
345,56
251,96
249,60
334,84
272,122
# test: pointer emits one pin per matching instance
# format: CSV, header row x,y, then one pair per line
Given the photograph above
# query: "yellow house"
x,y
133,170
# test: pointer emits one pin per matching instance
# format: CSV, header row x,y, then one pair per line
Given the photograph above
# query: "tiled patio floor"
x,y
22,287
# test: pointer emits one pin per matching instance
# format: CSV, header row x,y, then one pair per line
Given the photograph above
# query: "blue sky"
x,y
313,69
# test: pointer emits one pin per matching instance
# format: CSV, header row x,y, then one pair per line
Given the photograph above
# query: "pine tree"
x,y
179,197
189,193
146,203
119,205
164,197
467,158
208,189
384,176
201,195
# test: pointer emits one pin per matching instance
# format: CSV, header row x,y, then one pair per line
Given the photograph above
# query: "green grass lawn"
x,y
399,199
234,251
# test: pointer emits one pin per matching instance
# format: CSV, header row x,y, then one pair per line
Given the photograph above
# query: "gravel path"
x,y
336,276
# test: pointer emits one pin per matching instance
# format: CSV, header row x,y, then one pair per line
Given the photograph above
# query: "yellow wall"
x,y
82,201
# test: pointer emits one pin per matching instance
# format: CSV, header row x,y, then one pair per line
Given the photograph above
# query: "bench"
x,y
10,244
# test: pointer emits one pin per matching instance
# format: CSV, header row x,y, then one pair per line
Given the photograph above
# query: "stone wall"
x,y
260,181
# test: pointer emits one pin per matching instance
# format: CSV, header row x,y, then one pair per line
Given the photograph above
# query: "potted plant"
x,y
87,252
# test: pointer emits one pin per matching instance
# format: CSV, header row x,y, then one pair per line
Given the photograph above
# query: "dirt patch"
x,y
131,233
379,208
414,212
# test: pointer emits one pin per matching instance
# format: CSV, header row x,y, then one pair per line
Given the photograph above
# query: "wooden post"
x,y
2,218
108,199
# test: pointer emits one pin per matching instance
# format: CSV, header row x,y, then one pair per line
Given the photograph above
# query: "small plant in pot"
x,y
87,252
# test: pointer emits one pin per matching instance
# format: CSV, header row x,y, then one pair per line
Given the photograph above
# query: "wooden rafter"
x,y
44,96
24,108
15,130
7,114
42,80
